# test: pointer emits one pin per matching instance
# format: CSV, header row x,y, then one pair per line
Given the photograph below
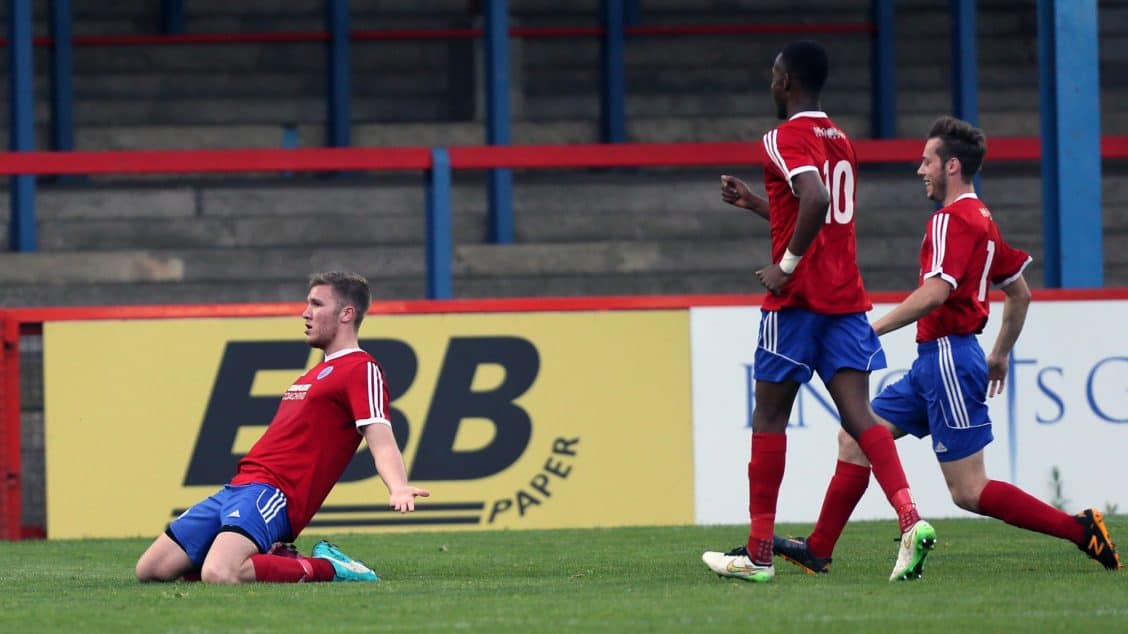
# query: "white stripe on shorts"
x,y
951,381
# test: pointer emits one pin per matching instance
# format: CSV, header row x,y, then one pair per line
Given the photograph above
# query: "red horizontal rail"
x,y
207,161
524,32
478,157
1113,147
743,29
605,155
34,316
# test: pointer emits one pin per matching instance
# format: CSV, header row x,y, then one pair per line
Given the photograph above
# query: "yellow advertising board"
x,y
512,420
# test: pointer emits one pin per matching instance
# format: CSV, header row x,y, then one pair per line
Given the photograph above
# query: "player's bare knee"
x,y
147,572
219,573
770,423
967,498
849,450
143,572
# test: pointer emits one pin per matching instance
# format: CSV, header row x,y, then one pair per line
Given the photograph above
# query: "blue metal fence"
x,y
22,126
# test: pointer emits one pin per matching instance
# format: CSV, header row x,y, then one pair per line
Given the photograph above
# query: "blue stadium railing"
x,y
1068,68
617,18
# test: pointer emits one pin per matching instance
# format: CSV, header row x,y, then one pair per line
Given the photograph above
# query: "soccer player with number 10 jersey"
x,y
814,319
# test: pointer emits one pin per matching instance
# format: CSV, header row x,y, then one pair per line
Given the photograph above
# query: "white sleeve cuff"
x,y
373,421
1016,275
799,170
942,275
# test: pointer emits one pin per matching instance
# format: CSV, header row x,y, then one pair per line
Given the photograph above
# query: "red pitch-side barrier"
x,y
478,157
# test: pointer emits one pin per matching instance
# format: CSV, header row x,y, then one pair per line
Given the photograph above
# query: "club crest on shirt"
x,y
324,373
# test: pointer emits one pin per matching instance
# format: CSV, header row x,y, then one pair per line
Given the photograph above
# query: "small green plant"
x,y
1057,485
1110,508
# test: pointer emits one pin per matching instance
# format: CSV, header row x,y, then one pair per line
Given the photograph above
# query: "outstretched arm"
x,y
1014,317
389,463
923,300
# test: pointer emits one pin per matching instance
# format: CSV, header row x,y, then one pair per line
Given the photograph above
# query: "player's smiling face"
x,y
322,316
931,170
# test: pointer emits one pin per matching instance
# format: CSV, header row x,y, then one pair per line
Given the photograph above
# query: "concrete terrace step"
x,y
246,57
595,194
704,221
642,129
754,53
200,85
392,289
358,230
512,285
608,257
248,110
206,136
852,78
729,104
220,264
294,290
455,104
105,294
203,265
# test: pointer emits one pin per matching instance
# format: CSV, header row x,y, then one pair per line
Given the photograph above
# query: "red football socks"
x,y
1018,508
845,491
877,443
282,569
765,473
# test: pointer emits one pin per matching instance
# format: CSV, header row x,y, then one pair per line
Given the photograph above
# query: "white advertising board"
x,y
1066,406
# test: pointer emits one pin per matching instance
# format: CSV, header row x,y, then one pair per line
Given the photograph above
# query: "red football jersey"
x,y
827,279
962,246
316,431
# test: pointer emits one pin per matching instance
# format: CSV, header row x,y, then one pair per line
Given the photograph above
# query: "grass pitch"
x,y
983,576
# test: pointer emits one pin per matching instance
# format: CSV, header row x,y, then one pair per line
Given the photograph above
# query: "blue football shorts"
x,y
944,394
257,511
796,343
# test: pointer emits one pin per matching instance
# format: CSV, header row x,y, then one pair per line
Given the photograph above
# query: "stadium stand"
x,y
190,238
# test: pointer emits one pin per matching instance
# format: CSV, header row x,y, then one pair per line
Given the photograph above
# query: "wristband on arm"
x,y
789,261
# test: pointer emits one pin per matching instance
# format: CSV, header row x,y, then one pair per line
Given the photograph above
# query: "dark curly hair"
x,y
962,140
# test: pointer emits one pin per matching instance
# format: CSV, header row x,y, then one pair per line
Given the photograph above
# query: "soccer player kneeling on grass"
x,y
242,532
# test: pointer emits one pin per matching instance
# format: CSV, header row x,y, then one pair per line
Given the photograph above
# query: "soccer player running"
x,y
944,393
814,319
240,533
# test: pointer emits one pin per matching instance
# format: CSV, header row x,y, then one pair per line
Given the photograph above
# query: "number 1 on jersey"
x,y
986,270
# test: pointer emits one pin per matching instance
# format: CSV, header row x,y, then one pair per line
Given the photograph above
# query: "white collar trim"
x,y
340,353
809,113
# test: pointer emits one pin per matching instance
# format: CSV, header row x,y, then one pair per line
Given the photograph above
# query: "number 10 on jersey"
x,y
840,183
